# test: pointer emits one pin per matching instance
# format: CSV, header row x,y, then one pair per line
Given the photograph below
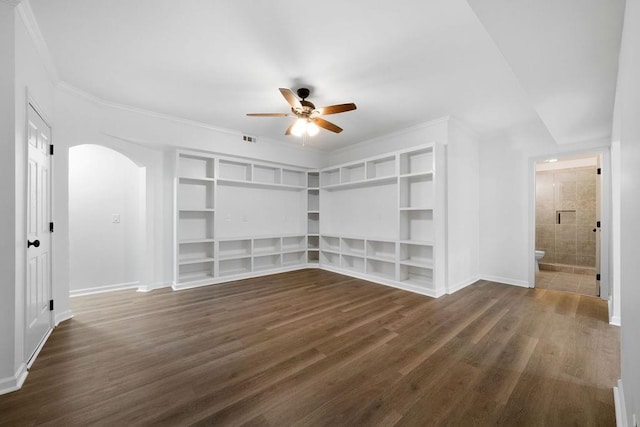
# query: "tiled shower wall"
x,y
571,193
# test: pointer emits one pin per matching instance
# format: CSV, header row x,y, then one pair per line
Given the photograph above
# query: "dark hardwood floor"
x,y
317,348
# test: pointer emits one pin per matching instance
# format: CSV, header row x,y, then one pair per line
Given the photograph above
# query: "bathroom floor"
x,y
567,282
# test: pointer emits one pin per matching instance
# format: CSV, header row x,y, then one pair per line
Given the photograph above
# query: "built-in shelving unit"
x,y
382,219
195,217
313,217
405,255
209,248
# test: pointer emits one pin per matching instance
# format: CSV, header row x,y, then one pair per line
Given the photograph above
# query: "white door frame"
x,y
605,210
32,103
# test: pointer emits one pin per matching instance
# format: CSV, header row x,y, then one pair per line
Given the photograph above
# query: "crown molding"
x,y
31,24
394,134
74,91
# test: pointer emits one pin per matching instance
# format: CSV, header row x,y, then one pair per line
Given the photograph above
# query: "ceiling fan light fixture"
x,y
299,128
312,128
304,127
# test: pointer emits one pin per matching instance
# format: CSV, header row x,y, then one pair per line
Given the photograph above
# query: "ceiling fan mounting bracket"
x,y
303,92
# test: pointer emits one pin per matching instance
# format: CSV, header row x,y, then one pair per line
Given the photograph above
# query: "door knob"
x,y
35,243
594,230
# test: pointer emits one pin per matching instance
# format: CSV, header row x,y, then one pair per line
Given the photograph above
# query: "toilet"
x,y
539,256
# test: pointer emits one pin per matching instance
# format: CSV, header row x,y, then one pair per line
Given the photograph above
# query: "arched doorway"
x,y
107,220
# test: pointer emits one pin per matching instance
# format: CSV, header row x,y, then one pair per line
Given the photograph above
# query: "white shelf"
x,y
266,262
352,246
293,258
416,161
362,183
186,261
381,167
245,183
353,263
192,241
192,178
192,166
381,269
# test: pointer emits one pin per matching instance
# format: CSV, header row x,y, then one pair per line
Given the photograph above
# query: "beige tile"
x,y
565,176
585,260
585,271
588,205
566,231
567,191
586,192
585,233
545,214
565,258
545,231
586,174
566,246
586,248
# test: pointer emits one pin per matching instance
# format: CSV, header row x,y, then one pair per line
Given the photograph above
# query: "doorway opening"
x,y
567,224
107,220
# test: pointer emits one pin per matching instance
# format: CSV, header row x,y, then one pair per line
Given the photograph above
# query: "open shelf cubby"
x,y
196,167
417,255
418,161
380,168
353,246
313,179
195,271
293,243
266,174
352,173
266,262
313,242
195,194
381,250
234,248
269,245
353,263
293,177
293,258
382,269
417,276
313,256
195,225
416,191
313,200
330,243
330,258
330,177
237,171
190,253
231,267
313,226
416,225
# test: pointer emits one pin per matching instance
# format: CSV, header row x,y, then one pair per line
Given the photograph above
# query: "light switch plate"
x,y
115,218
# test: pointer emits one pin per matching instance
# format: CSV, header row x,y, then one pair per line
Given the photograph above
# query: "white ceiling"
x,y
403,63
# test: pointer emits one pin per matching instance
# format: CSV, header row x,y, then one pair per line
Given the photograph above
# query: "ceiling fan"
x,y
309,121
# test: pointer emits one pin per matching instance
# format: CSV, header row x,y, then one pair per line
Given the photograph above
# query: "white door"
x,y
38,286
596,229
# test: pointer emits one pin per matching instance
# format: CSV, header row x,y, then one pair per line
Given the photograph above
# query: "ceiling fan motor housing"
x,y
303,92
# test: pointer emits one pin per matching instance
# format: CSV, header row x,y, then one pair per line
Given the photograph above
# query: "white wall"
x,y
7,193
463,209
433,131
506,199
104,254
627,118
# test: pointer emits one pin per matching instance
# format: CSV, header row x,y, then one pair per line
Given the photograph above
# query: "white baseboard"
x,y
61,317
224,279
154,286
9,384
613,320
38,349
621,412
462,284
101,289
505,280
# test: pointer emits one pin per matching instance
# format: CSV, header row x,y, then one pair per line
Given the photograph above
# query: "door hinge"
x,y
51,149
598,224
598,276
51,227
599,171
50,305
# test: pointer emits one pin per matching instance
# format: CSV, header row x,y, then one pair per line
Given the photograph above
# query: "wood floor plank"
x,y
312,347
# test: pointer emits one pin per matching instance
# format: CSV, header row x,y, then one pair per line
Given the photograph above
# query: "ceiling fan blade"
x,y
338,108
288,131
291,98
327,125
267,114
